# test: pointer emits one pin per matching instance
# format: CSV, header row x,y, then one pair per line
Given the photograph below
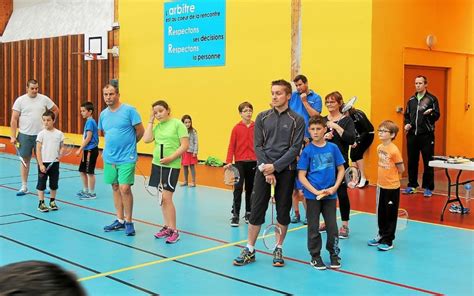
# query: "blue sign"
x,y
194,33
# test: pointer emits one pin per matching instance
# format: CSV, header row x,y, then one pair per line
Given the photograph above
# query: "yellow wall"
x,y
399,33
335,56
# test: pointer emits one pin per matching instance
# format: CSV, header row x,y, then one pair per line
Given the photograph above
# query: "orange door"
x,y
437,85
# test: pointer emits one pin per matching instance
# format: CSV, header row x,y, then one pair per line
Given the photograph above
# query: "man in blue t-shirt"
x,y
305,103
317,167
123,128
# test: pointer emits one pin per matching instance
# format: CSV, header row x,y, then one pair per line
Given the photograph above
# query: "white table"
x,y
467,166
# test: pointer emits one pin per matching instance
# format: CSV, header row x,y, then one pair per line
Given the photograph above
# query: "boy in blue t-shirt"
x,y
90,149
317,167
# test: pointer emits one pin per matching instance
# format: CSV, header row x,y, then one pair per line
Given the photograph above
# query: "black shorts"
x,y
52,174
357,153
283,197
89,160
168,176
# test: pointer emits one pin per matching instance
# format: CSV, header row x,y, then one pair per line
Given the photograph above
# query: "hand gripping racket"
x,y
67,147
352,176
272,233
231,176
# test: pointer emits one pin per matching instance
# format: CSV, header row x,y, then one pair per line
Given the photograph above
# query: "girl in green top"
x,y
172,135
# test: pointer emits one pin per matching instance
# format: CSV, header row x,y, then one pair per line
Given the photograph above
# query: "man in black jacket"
x,y
278,139
421,113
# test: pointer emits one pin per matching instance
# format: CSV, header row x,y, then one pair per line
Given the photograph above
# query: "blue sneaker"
x,y
385,247
373,242
245,257
427,193
129,229
409,190
114,226
22,191
278,257
88,196
81,193
305,221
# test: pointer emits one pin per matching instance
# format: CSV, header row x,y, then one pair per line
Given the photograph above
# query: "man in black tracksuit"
x,y
420,116
278,139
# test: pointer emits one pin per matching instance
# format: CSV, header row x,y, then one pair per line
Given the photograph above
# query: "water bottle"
x,y
467,189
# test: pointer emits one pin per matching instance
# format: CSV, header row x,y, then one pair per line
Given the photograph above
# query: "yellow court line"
x,y
133,267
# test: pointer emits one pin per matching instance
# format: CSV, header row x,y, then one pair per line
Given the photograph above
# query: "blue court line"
x,y
77,264
240,246
156,254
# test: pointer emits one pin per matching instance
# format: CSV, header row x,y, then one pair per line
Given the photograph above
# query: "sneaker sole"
x,y
373,245
385,249
343,237
234,225
54,209
278,264
335,266
21,193
318,267
243,263
110,230
173,242
87,198
43,211
130,234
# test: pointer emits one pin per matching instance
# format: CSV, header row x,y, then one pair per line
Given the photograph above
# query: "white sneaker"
x,y
363,182
22,191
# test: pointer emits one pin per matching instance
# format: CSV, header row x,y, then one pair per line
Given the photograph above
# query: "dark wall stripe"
x,y
63,76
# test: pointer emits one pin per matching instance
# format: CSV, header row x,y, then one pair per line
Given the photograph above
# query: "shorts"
x,y
52,174
188,159
283,197
357,153
168,176
88,161
119,173
27,145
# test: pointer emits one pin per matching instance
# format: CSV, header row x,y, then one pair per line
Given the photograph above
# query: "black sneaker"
x,y
53,206
318,263
234,221
42,207
245,257
335,262
278,257
247,217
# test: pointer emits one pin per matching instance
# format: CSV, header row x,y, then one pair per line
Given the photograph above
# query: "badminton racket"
x,y
272,233
231,176
17,146
352,176
160,186
402,221
67,147
348,106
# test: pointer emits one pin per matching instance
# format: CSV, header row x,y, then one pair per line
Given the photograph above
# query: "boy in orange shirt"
x,y
390,166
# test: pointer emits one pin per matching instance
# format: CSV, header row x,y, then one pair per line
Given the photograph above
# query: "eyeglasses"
x,y
383,131
247,111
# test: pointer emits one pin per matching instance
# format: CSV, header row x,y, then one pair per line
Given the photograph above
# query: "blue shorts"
x,y
27,144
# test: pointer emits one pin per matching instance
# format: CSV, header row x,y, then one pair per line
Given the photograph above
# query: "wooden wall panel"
x,y
63,76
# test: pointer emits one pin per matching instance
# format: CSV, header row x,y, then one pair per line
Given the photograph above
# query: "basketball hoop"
x,y
90,55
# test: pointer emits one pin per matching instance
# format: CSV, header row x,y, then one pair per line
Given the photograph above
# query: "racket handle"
x,y
161,151
272,190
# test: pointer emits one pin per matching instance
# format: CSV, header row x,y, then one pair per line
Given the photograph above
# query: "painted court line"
x,y
226,244
151,253
76,264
